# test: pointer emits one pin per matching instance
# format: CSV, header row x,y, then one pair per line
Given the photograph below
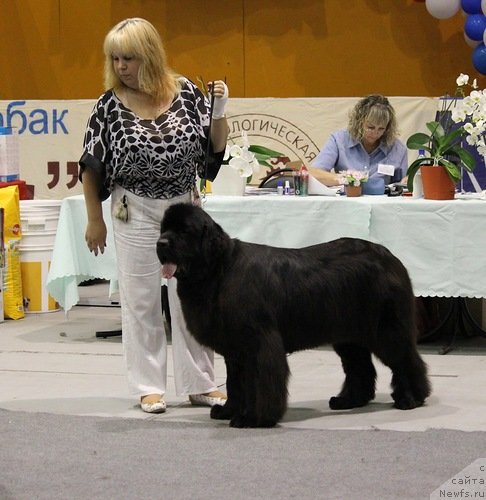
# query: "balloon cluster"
x,y
474,26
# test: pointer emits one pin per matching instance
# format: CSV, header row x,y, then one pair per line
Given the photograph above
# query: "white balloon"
x,y
483,6
442,9
472,43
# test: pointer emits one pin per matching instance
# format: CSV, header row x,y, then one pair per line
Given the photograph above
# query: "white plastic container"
x,y
418,188
38,219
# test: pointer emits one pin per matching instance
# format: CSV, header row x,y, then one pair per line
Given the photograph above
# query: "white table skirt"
x,y
442,243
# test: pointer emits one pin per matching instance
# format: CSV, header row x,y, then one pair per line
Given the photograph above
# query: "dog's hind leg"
x,y
359,385
409,374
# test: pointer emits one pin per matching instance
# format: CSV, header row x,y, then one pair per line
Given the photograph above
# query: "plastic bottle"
x,y
287,187
418,190
304,181
280,188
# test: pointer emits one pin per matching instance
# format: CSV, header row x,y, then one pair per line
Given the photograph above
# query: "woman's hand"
x,y
95,236
220,89
220,92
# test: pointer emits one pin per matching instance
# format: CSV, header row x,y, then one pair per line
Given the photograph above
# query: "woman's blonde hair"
x,y
377,110
138,38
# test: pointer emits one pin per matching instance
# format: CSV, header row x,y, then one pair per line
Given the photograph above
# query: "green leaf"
x,y
418,141
264,163
262,150
465,156
452,169
436,129
262,158
412,170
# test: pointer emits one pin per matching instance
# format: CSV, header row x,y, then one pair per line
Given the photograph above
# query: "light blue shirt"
x,y
341,152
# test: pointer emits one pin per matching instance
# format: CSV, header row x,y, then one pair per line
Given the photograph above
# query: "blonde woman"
x,y
370,142
144,143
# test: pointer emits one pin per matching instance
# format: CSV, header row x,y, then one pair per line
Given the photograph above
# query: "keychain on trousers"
x,y
121,209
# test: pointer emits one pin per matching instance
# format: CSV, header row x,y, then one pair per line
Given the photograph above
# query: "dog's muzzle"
x,y
168,268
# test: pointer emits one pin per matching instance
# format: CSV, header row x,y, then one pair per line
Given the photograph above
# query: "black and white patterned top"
x,y
151,158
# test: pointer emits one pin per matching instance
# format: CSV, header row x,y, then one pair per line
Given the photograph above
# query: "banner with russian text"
x,y
50,133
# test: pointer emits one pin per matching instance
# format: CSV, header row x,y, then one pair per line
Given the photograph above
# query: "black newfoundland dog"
x,y
253,304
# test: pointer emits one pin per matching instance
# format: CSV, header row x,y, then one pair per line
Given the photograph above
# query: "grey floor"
x,y
53,363
70,430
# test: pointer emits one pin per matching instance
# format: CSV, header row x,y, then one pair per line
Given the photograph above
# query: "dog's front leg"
x,y
233,390
263,376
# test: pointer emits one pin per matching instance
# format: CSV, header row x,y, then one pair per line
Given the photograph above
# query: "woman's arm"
x,y
95,235
327,178
219,127
325,162
219,134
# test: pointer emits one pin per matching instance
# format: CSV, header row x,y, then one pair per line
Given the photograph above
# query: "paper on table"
x,y
316,187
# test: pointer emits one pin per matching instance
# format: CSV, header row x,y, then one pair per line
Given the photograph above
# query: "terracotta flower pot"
x,y
353,191
436,183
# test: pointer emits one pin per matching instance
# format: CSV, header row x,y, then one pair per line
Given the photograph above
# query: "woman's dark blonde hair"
x,y
138,38
377,110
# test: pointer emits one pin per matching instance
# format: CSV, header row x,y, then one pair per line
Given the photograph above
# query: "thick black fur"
x,y
253,304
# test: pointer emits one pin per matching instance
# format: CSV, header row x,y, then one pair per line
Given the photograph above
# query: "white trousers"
x,y
143,334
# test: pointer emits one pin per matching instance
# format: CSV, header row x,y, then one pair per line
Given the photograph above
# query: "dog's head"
x,y
190,242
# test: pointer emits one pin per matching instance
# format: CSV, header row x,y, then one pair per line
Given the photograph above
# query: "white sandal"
x,y
155,407
202,400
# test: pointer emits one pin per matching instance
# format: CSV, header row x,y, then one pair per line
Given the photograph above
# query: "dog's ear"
x,y
214,241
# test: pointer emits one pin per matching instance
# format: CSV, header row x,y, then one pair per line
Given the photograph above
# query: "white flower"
x,y
246,158
244,140
462,80
353,177
470,111
242,166
235,151
241,159
458,115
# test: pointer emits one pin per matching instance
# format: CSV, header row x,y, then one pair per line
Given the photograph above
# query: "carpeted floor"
x,y
52,457
70,430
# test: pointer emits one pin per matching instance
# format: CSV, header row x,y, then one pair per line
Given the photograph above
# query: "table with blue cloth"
x,y
441,243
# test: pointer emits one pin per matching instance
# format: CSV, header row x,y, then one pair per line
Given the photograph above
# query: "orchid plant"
x,y
353,177
471,110
247,159
443,143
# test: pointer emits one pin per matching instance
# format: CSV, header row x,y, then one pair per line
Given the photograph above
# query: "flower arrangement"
x,y
471,110
443,142
353,177
247,159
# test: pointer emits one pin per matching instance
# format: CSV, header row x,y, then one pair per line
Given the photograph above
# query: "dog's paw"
x,y
340,403
241,422
221,412
406,402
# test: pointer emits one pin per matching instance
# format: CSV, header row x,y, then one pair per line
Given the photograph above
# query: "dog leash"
x,y
208,145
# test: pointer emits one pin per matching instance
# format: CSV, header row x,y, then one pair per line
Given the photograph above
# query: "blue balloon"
x,y
471,6
479,58
474,26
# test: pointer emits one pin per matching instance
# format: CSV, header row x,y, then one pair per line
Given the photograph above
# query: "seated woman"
x,y
370,142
